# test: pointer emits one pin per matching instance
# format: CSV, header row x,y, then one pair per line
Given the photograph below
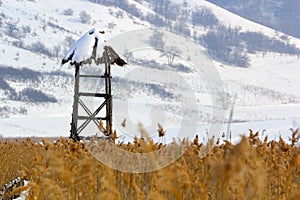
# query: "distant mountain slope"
x,y
34,35
282,15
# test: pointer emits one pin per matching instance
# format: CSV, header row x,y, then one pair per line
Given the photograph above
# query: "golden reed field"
x,y
252,169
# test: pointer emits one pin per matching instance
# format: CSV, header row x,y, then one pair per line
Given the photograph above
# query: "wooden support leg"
x,y
74,134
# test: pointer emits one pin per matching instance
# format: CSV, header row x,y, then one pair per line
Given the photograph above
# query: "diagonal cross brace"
x,y
91,115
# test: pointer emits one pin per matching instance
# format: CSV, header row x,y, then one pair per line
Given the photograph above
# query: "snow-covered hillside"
x,y
36,92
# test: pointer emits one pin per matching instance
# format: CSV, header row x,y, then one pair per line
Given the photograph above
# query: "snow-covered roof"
x,y
90,47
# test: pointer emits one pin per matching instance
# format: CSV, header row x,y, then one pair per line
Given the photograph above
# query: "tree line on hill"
x,y
225,44
282,15
28,94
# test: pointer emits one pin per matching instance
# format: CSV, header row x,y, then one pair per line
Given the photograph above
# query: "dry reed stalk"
x,y
252,169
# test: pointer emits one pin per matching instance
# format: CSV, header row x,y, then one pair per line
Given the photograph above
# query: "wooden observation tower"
x,y
84,51
90,116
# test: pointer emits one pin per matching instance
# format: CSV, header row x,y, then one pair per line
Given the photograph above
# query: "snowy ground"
x,y
267,93
59,127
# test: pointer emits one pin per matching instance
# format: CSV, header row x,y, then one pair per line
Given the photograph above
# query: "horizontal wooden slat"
x,y
93,94
92,76
91,118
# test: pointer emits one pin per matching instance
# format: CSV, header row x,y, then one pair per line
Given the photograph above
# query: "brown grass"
x,y
252,169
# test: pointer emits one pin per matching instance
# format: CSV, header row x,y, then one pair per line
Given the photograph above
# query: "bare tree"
x,y
128,55
205,17
171,52
156,40
182,17
69,40
68,12
56,50
84,17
